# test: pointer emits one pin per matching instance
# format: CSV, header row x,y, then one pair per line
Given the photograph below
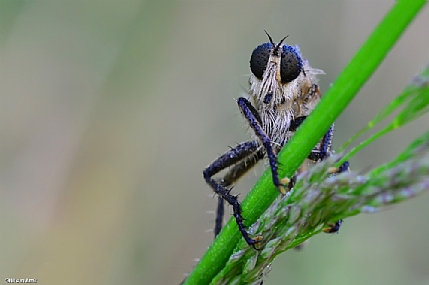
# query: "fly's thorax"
x,y
308,94
276,124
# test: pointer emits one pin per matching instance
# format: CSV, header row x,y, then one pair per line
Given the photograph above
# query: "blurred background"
x,y
111,110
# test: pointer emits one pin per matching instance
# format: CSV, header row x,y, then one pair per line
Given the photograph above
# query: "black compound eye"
x,y
259,59
291,64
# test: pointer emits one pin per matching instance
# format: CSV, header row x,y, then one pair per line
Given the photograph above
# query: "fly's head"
x,y
278,76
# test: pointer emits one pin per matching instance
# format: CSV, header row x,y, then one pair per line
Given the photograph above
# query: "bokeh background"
x,y
110,110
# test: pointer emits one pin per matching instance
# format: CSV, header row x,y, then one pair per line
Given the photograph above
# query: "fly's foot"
x,y
336,170
256,241
333,228
284,186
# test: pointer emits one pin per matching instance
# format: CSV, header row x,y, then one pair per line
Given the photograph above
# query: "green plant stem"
x,y
356,73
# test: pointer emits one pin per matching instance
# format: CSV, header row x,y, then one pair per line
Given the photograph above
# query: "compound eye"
x,y
259,59
291,64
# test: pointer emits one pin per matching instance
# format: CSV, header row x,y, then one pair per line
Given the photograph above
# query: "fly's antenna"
x,y
269,37
276,49
281,42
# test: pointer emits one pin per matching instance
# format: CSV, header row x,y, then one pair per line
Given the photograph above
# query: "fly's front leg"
x,y
319,153
233,156
323,149
252,117
335,227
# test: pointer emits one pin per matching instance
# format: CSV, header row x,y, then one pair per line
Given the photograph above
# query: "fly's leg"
x,y
230,177
220,210
252,117
233,156
323,149
334,228
319,153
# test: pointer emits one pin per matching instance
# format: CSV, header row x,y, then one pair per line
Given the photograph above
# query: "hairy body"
x,y
283,92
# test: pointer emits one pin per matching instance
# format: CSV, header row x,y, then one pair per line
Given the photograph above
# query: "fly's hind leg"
x,y
236,155
232,176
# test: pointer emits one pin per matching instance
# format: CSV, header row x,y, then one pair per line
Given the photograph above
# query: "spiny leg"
x,y
229,158
320,152
241,168
252,117
335,227
230,177
323,149
220,210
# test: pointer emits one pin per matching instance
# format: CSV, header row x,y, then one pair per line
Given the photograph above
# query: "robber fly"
x,y
283,92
